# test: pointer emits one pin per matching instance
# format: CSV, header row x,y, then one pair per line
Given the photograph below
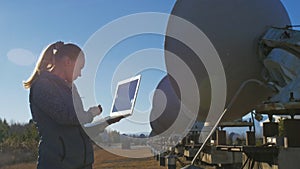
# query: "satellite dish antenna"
x,y
234,28
165,107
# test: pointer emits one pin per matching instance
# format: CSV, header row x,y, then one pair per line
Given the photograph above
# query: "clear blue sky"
x,y
28,26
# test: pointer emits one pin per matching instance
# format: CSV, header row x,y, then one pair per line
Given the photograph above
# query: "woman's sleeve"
x,y
47,98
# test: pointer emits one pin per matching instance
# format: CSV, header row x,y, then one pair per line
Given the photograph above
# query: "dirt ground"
x,y
106,160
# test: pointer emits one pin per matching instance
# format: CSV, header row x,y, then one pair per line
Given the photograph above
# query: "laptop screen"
x,y
124,100
125,96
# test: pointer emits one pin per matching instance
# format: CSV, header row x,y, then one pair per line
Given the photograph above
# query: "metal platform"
x,y
290,108
235,124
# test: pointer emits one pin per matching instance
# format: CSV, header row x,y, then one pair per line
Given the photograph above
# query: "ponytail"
x,y
45,63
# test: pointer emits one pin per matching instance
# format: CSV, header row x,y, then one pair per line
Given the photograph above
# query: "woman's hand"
x,y
95,110
114,120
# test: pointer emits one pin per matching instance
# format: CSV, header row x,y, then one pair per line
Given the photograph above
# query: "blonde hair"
x,y
45,62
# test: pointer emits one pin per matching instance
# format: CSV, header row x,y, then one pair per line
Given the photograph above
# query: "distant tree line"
x,y
18,136
111,137
19,142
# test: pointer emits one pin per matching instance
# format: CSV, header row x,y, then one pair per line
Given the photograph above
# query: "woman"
x,y
57,109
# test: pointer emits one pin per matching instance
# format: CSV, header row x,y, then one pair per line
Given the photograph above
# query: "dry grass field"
x,y
106,160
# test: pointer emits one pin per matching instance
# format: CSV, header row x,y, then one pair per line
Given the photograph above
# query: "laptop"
x,y
123,101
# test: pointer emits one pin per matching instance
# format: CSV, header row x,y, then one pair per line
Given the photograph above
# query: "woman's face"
x,y
78,66
73,68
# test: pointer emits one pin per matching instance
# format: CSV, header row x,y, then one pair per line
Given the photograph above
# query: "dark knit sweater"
x,y
57,109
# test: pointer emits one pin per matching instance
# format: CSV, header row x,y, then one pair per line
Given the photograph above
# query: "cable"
x,y
253,122
220,118
252,163
292,26
245,163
